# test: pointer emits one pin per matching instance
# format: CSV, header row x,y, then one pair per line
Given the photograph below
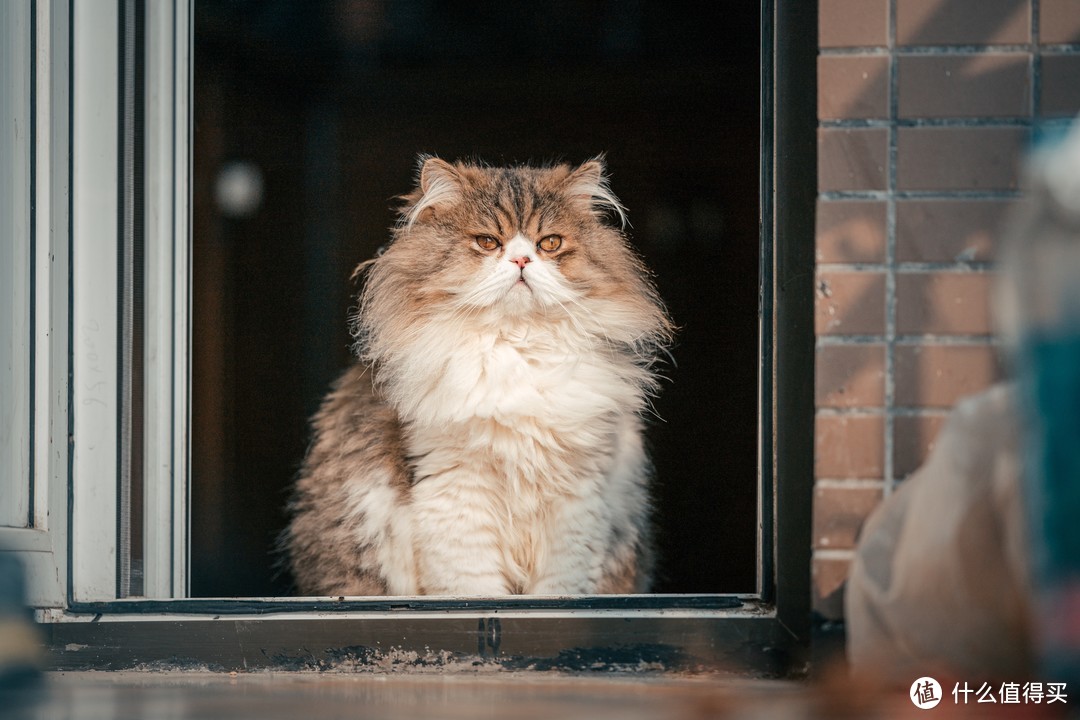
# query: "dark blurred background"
x,y
309,116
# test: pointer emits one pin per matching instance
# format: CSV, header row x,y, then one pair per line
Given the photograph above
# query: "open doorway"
x,y
315,112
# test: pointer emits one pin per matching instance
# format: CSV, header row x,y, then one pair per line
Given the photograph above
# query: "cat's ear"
x,y
436,173
439,184
588,186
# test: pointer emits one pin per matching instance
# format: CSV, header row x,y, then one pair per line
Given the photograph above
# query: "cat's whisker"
x,y
570,316
599,329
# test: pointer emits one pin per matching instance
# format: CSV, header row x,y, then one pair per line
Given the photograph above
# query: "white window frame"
x,y
43,547
70,553
17,237
95,188
168,293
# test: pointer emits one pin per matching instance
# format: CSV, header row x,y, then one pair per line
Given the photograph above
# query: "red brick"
x,y
963,22
853,23
849,303
984,85
937,376
948,230
852,158
1060,85
959,158
1059,21
850,376
849,446
943,303
913,439
850,231
839,514
853,86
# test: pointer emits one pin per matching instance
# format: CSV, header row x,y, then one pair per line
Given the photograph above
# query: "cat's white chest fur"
x,y
523,466
550,373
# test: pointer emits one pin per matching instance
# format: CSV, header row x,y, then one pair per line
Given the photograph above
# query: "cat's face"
x,y
512,240
517,246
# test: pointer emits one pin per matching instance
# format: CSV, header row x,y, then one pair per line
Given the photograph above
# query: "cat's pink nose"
x,y
521,262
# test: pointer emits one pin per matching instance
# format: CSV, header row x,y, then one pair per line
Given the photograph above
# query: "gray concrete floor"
x,y
526,696
267,696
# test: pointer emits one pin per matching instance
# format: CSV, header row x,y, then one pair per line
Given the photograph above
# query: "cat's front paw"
x,y
471,587
563,586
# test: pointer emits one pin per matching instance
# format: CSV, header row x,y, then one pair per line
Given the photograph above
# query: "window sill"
x,y
655,634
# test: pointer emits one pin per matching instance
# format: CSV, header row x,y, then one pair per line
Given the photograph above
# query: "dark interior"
x,y
332,100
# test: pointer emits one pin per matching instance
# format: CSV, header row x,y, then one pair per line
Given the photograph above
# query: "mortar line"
x,y
890,258
988,122
962,50
951,340
1036,63
960,267
928,50
850,483
870,411
922,194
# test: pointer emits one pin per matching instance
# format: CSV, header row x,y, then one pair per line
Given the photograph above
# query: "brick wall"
x,y
925,108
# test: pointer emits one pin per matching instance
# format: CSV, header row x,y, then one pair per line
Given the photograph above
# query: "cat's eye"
x,y
550,243
487,242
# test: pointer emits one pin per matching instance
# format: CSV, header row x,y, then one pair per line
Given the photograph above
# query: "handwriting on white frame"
x,y
93,365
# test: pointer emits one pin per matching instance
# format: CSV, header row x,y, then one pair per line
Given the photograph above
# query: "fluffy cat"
x,y
489,441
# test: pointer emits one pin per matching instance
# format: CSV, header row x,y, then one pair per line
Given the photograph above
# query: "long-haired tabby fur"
x,y
489,441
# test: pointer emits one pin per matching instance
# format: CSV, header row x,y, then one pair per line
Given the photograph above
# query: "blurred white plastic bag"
x,y
939,580
946,575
